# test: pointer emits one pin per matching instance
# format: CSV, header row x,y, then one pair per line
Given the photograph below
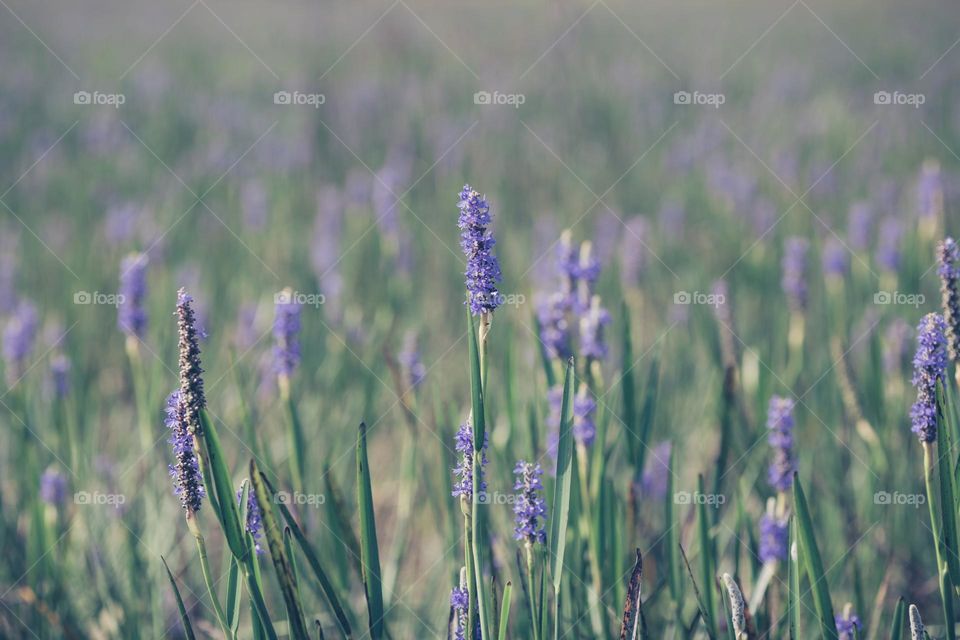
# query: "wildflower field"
x,y
411,319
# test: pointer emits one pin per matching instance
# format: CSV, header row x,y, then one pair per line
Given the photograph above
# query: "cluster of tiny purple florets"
x,y
131,314
773,538
286,334
780,424
794,280
929,366
848,626
185,470
191,373
483,270
254,523
463,484
530,509
460,602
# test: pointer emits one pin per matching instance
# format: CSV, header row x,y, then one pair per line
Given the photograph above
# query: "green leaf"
x,y
505,611
674,571
369,549
793,582
701,605
561,491
947,489
183,611
325,584
234,591
896,628
281,563
813,563
706,563
223,489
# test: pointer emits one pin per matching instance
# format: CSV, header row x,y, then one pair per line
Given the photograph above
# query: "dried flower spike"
x,y
948,267
191,373
916,624
737,608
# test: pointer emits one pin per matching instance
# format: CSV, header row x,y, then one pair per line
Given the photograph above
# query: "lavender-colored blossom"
x,y
120,222
53,487
191,373
325,248
286,333
19,336
131,315
929,366
185,471
568,265
530,509
896,346
588,272
848,625
483,270
409,357
463,485
553,320
794,279
930,190
763,216
254,521
860,225
460,602
656,471
592,325
773,538
780,423
836,258
60,375
888,244
948,267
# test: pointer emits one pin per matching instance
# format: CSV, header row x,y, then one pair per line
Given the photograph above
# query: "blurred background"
x,y
246,147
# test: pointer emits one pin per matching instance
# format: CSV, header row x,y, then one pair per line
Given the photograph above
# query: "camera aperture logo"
x,y
698,297
699,98
297,297
99,98
915,300
301,499
299,99
899,99
98,298
496,98
915,500
115,500
714,500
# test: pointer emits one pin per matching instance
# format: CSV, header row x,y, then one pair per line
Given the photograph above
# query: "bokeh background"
x,y
352,199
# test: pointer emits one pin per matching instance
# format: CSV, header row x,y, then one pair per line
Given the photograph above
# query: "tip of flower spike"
x,y
183,297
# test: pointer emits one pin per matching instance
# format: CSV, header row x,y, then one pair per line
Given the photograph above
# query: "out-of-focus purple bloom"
x,y
53,487
131,315
460,602
568,264
929,366
191,396
286,333
860,225
896,346
254,204
325,248
483,270
592,325
773,539
409,357
120,223
763,216
930,190
672,218
19,336
530,509
948,267
656,470
780,425
60,375
888,244
836,258
794,280
634,252
254,523
848,626
463,485
588,272
553,319
185,471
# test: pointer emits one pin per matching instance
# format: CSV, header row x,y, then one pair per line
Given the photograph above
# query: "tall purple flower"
x,y
553,319
588,272
185,471
780,425
286,333
836,259
860,225
888,244
794,280
191,373
19,336
656,471
948,259
483,270
60,375
131,316
463,485
409,357
254,521
53,487
929,366
530,509
568,264
773,538
460,603
848,625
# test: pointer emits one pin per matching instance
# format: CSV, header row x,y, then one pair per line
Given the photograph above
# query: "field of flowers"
x,y
479,321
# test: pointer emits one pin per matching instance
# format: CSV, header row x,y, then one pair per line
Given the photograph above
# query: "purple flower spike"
x,y
848,625
888,245
588,272
860,227
463,485
191,373
780,424
929,366
53,487
948,259
773,539
460,602
554,323
188,485
254,523
592,325
483,270
530,509
286,332
19,336
794,281
131,316
568,264
656,470
836,259
60,375
413,369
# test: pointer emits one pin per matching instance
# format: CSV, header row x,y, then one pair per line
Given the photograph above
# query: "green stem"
x,y
534,618
207,577
946,589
